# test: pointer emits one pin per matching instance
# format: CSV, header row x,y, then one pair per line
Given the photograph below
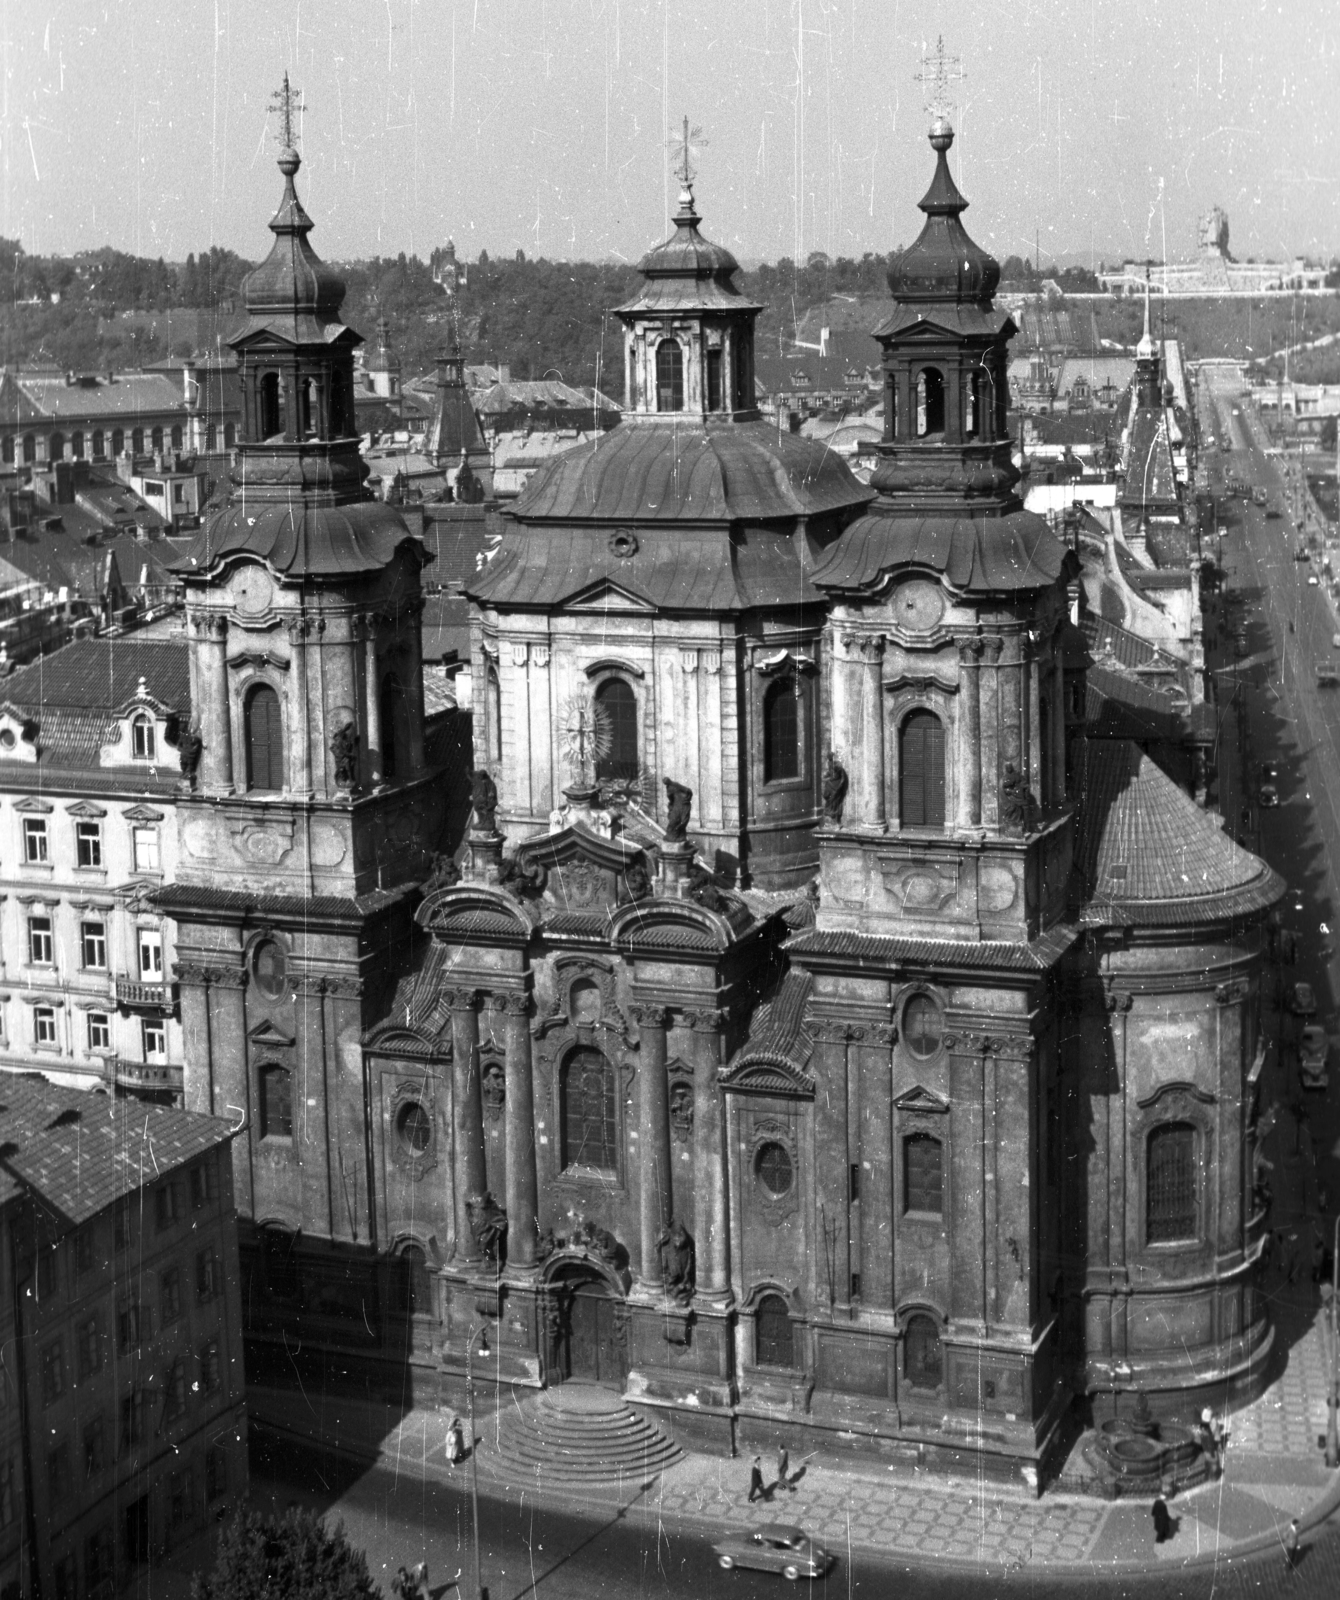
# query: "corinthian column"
x,y
989,695
467,1116
520,1135
653,1138
864,666
712,1245
970,655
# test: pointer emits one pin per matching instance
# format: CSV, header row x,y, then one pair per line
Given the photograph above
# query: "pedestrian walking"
x,y
1162,1521
783,1469
756,1490
1318,1257
1291,1546
455,1442
1291,1259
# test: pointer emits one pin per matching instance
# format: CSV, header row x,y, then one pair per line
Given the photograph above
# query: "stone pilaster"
x,y
655,1191
710,1183
467,1116
519,1110
970,656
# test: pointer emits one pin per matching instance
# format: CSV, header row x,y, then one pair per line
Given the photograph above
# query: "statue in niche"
x,y
637,880
681,1111
484,800
344,747
493,1089
678,804
488,1226
523,876
835,789
676,1248
1017,805
190,747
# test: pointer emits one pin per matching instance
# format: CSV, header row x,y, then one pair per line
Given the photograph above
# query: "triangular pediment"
x,y
32,804
919,1098
142,814
607,596
266,1034
86,811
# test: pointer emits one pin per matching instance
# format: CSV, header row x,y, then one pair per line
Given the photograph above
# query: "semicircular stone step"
x,y
579,1433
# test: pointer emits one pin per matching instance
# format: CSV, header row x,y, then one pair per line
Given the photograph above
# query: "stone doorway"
x,y
591,1342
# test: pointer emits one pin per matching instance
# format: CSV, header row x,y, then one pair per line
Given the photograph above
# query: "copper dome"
x,y
944,263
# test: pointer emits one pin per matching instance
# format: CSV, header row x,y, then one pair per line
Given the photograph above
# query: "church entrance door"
x,y
593,1351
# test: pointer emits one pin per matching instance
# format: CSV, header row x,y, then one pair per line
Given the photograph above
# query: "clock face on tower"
x,y
918,605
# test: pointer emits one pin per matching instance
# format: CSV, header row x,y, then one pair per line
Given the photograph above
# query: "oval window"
x,y
269,967
414,1127
922,1026
774,1169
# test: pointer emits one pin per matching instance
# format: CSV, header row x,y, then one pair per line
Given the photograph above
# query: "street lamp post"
x,y
482,1330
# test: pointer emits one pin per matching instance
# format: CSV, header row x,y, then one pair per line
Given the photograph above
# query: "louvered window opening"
x,y
265,741
923,1173
589,1129
1170,1204
922,771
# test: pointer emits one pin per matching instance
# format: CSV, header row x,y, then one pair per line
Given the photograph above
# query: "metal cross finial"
x,y
939,73
286,102
686,147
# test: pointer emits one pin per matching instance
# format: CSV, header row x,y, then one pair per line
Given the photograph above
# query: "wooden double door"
x,y
591,1348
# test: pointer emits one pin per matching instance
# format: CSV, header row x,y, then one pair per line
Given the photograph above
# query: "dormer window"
x,y
143,739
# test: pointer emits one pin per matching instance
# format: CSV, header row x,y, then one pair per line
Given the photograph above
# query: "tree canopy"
x,y
294,1557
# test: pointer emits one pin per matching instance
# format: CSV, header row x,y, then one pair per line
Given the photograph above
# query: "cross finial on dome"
x,y
686,146
287,102
939,73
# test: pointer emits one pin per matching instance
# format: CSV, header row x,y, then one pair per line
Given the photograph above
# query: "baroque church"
x,y
818,1036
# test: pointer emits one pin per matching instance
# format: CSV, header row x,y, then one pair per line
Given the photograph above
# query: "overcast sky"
x,y
1098,126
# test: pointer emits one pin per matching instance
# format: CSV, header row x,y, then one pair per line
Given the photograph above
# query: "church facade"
x,y
819,1036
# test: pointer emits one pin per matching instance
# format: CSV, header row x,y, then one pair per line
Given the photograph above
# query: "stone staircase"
x,y
576,1433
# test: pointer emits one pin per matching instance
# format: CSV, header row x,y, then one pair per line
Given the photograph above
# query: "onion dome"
x,y
292,292
944,263
687,271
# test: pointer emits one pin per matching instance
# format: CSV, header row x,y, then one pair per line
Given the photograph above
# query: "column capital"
x,y
707,1020
970,651
512,1002
464,999
649,1016
992,645
1119,999
867,648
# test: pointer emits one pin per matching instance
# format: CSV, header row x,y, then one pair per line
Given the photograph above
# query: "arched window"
x,y
1171,1210
264,740
590,1131
921,771
412,1288
923,1174
137,441
276,1102
271,420
923,1026
774,1344
618,702
921,1353
56,447
98,442
891,407
176,435
930,402
972,414
714,391
118,441
143,743
212,437
669,376
281,1263
781,730
29,449
493,715
77,445
9,449
156,439
229,435
392,713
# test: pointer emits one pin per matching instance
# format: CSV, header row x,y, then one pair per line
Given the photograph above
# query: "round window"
x,y
269,967
774,1169
923,1026
414,1127
7,739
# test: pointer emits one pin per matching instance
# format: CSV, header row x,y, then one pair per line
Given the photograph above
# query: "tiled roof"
x,y
129,396
1118,706
176,898
101,674
885,950
1146,852
80,1152
1009,553
1149,479
778,1025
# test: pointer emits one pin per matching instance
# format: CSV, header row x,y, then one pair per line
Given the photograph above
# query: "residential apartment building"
x,y
122,1419
89,773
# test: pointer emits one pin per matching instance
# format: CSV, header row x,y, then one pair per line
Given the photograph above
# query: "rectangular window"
x,y
132,1328
53,1372
181,1497
47,1280
209,1367
276,1103
923,1184
34,839
99,1031
206,1275
174,1403
44,1025
58,1473
155,1039
1170,1201
151,955
85,1252
95,1448
134,1418
88,843
125,1225
89,1335
216,1473
99,1557
167,1204
202,1184
41,946
145,841
93,945
7,1512
170,1294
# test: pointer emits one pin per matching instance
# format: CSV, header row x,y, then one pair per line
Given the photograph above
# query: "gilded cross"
x,y
287,102
939,73
689,143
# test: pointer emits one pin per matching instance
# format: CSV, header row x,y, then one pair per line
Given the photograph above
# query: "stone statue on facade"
x,y
704,889
600,1242
676,1248
835,789
488,1226
344,747
444,874
637,880
678,804
190,747
523,876
484,800
1017,805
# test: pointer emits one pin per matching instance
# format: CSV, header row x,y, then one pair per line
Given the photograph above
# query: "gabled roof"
x,y
102,675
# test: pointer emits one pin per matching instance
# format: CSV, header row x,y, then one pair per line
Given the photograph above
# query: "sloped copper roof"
x,y
1017,551
687,272
1147,853
943,263
290,537
293,294
675,470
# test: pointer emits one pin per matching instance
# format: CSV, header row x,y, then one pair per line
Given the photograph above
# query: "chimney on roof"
x,y
504,374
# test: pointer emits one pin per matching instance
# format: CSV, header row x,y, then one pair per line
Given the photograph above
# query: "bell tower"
x,y
307,806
